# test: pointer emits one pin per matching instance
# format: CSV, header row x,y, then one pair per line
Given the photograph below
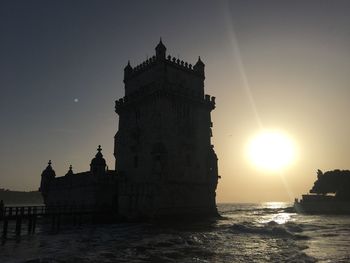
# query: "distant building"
x,y
165,163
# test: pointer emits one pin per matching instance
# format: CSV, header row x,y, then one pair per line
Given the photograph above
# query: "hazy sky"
x,y
271,64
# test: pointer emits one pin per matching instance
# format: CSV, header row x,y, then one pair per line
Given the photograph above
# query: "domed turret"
x,y
46,177
48,172
98,164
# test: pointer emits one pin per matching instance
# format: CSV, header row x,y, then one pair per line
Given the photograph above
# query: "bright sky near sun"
x,y
271,151
280,71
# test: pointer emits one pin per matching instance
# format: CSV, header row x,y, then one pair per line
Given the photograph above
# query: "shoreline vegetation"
x,y
20,197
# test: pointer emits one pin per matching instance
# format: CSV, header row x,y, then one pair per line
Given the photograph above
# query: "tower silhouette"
x,y
165,161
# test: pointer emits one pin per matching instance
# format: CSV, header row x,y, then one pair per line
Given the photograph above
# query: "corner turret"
x,y
127,71
46,177
199,67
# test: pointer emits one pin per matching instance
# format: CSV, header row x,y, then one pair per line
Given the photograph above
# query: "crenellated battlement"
x,y
160,57
145,64
137,96
179,63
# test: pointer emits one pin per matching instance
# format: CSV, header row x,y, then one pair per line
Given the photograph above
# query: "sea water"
x,y
268,232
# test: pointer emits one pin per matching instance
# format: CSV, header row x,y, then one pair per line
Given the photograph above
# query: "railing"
x,y
10,211
31,213
14,211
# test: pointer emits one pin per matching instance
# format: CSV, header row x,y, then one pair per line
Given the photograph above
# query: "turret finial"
x,y
199,66
98,164
128,66
160,50
48,170
70,171
127,70
199,61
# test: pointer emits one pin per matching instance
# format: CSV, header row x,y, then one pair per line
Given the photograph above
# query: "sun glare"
x,y
271,151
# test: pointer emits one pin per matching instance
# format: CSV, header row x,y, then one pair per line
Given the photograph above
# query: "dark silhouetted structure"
x,y
97,187
165,163
329,194
164,157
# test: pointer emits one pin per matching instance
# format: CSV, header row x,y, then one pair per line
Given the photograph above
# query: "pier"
x,y
28,216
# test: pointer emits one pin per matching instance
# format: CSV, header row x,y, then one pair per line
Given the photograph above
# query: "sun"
x,y
271,151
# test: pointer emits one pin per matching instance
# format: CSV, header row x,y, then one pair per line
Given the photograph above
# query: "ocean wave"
x,y
329,235
293,227
270,229
290,209
300,258
258,210
247,233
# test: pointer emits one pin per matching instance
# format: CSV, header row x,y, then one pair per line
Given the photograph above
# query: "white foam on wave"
x,y
271,228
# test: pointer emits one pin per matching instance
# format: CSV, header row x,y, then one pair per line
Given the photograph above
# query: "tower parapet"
x,y
122,103
160,57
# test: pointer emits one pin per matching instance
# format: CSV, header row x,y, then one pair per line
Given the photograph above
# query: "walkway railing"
x,y
31,213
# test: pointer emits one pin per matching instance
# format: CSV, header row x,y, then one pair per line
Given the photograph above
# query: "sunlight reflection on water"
x,y
280,217
275,205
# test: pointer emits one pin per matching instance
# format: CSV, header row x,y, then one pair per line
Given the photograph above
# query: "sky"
x,y
280,65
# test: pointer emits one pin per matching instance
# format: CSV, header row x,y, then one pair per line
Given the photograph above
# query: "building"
x,y
94,188
165,163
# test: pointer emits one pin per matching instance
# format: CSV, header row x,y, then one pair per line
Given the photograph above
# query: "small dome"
x,y
70,171
48,172
98,160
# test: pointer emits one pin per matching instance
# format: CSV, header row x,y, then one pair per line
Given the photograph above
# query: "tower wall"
x,y
164,156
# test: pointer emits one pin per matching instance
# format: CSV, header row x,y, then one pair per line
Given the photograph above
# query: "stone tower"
x,y
164,157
